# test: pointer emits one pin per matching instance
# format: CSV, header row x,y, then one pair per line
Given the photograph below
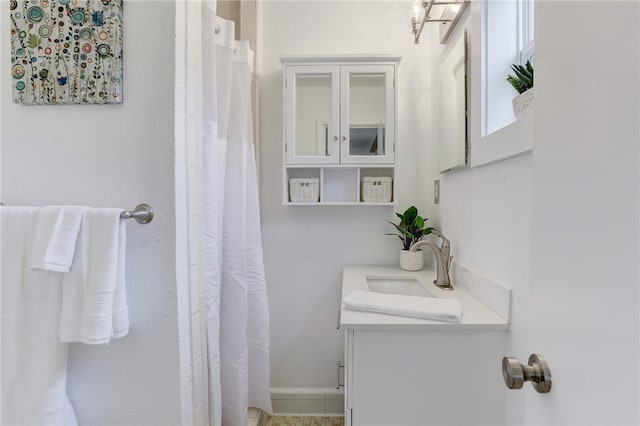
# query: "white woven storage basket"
x,y
376,189
304,190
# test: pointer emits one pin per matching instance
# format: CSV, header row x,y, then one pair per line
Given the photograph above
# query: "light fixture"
x,y
422,14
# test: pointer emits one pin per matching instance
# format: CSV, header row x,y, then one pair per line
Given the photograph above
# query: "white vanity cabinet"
x,y
404,371
339,126
423,377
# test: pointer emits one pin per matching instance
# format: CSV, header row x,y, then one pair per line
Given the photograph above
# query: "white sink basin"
x,y
392,280
408,286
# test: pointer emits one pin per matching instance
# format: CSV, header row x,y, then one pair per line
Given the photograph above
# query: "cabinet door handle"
x,y
338,323
330,146
344,139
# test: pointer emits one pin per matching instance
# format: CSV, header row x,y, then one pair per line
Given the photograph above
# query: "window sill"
x,y
511,140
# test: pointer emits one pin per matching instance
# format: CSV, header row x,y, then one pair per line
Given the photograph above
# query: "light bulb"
x,y
416,9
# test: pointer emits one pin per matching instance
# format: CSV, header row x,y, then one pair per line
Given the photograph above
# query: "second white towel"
x,y
94,306
432,308
56,233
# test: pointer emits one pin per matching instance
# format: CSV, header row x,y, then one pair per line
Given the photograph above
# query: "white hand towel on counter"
x,y
94,305
34,361
56,234
432,308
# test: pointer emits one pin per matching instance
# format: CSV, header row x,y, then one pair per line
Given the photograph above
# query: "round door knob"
x,y
537,372
512,373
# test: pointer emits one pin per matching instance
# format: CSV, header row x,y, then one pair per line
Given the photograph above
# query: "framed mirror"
x,y
313,118
452,107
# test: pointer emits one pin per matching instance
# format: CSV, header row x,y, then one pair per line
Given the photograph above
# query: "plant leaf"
x,y
395,226
406,234
523,76
516,84
410,214
521,70
529,68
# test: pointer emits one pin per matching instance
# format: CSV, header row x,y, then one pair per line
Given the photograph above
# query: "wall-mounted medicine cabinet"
x,y
339,129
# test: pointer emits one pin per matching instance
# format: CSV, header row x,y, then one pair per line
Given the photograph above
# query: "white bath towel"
x,y
433,308
94,305
34,361
56,234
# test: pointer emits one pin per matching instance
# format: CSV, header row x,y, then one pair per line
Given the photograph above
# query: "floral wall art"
x,y
66,51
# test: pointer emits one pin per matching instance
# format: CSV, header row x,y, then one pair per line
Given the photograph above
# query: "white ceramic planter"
x,y
411,261
523,104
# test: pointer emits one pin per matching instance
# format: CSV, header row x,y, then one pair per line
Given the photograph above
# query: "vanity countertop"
x,y
475,315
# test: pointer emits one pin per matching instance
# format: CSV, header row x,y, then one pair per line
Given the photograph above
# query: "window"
x,y
504,33
507,38
526,21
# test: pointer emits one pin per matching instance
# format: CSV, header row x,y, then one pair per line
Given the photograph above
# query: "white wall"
x,y
114,155
486,212
306,247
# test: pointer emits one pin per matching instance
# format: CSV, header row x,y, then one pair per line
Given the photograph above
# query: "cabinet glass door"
x,y
368,125
313,122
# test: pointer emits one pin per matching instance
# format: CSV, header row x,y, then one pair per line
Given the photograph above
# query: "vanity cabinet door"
x,y
406,377
312,114
367,130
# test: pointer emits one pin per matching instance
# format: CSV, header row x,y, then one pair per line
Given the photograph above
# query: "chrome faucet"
x,y
445,247
443,259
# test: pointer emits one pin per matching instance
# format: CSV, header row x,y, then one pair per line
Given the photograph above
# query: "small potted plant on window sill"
x,y
410,230
522,81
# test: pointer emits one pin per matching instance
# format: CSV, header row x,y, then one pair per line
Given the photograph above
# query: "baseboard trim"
x,y
308,401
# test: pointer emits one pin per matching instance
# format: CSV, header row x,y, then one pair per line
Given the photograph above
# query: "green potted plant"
x,y
410,230
522,82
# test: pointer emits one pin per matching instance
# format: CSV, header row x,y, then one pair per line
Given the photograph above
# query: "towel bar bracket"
x,y
143,214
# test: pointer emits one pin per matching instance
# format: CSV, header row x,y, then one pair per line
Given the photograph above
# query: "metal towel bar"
x,y
143,213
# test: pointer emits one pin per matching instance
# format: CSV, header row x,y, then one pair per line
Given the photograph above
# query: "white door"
x,y
584,290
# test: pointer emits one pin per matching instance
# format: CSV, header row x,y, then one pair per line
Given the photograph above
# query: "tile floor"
x,y
255,417
305,421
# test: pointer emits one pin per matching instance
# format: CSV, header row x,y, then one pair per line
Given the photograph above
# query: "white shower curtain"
x,y
235,288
